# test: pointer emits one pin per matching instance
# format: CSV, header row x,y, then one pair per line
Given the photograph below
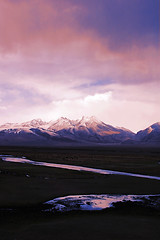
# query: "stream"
x,y
92,201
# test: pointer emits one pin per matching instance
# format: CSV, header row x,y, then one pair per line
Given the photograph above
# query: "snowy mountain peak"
x,y
89,120
61,123
36,122
86,130
63,119
7,125
33,123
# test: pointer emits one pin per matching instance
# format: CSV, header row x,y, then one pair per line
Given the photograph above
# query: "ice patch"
x,y
91,202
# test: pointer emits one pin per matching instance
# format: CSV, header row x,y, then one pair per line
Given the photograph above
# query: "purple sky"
x,y
80,57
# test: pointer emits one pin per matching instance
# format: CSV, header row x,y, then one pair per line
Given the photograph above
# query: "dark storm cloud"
x,y
122,21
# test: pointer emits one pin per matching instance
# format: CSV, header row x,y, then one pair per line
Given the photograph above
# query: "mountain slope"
x,y
150,134
87,130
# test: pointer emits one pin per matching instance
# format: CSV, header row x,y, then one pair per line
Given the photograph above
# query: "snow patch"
x,y
91,202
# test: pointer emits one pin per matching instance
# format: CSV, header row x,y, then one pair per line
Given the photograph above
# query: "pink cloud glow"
x,y
47,59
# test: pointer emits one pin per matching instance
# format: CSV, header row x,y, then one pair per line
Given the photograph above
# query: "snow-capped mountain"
x,y
150,134
87,130
34,123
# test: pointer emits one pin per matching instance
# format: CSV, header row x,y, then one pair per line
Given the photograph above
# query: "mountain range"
x,y
66,132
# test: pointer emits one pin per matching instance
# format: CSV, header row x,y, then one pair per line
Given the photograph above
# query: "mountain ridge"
x,y
63,131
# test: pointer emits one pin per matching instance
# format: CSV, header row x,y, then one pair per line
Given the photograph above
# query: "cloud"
x,y
45,42
97,98
125,22
118,111
58,56
121,107
3,108
29,25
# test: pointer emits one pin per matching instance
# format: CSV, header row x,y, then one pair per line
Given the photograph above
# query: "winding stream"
x,y
8,158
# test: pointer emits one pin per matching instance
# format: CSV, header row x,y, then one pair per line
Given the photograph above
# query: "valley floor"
x,y
24,187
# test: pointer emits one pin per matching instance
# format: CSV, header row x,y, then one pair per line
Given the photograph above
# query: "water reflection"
x,y
72,167
93,202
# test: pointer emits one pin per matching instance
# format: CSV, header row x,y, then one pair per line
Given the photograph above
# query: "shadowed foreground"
x,y
25,187
109,225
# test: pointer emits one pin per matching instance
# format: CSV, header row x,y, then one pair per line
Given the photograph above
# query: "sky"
x,y
80,57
